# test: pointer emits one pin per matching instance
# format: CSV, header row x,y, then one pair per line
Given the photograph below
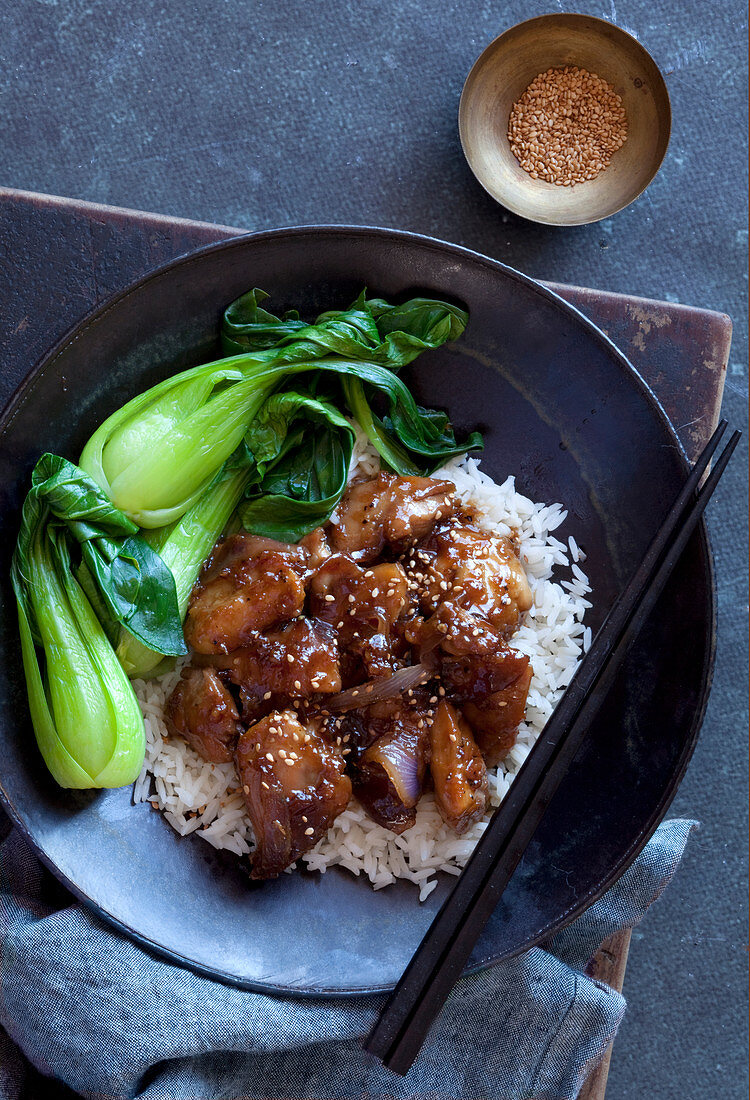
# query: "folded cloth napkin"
x,y
89,1007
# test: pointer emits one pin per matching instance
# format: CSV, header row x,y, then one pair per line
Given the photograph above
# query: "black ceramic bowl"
x,y
561,409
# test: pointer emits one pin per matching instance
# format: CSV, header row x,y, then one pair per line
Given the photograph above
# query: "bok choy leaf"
x,y
133,583
388,335
302,446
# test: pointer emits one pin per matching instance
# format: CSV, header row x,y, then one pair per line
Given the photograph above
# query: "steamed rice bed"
x,y
206,799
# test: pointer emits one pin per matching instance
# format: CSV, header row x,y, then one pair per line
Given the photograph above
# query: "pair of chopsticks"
x,y
445,949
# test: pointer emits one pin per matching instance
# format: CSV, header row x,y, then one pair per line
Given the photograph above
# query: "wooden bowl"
x,y
504,71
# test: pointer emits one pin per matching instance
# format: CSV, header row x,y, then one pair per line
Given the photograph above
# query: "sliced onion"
x,y
403,761
377,690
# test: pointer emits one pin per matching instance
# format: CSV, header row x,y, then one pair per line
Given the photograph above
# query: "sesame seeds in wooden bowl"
x,y
565,119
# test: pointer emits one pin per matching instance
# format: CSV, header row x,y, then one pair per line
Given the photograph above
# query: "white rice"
x,y
202,798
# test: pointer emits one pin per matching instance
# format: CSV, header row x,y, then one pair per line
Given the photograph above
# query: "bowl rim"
x,y
645,832
556,17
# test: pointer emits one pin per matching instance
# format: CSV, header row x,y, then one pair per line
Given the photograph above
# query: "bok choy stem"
x,y
184,547
387,447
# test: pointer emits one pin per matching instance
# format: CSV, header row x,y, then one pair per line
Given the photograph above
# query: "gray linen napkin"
x,y
91,1008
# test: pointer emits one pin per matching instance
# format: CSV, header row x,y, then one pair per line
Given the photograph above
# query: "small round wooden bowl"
x,y
504,71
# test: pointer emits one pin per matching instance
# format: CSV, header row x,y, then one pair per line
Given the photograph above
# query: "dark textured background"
x,y
262,114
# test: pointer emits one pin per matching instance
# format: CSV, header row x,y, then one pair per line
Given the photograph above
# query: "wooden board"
x,y
59,258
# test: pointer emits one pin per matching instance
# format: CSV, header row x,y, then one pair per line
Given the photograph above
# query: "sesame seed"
x,y
267,696
329,598
309,832
245,788
264,784
297,685
289,763
269,756
566,126
290,658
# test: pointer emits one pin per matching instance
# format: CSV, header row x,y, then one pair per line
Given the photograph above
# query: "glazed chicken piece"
x,y
451,630
458,770
295,662
496,718
249,584
480,671
468,652
390,773
203,713
477,571
362,605
294,785
473,678
389,511
316,548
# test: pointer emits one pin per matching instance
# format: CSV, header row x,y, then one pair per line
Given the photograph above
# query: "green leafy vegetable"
x,y
87,721
183,547
302,447
158,454
388,335
131,580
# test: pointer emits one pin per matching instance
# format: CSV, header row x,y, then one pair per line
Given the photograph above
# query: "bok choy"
x,y
132,582
87,721
156,456
183,546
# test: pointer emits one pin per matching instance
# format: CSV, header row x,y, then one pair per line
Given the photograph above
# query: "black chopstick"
x,y
445,949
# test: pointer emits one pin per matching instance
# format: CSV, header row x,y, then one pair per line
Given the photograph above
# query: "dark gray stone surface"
x,y
262,114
